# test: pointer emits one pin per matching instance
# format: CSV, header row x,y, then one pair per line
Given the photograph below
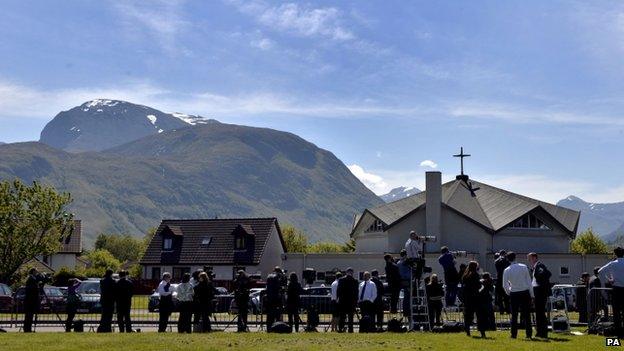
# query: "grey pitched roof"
x,y
220,250
73,242
491,207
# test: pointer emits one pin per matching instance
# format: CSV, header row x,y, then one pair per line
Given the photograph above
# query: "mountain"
x,y
399,193
607,220
101,124
202,171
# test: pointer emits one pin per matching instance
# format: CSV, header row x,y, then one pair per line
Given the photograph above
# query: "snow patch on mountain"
x,y
399,193
190,119
152,119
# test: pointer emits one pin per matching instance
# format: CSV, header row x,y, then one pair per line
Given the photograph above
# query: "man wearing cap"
x,y
347,300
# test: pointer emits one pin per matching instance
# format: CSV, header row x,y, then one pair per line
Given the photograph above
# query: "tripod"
x,y
47,300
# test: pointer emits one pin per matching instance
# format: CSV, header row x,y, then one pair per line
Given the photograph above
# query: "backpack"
x,y
395,326
281,328
366,324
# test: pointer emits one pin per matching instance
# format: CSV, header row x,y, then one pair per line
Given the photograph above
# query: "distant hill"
x,y
607,220
101,124
200,171
399,193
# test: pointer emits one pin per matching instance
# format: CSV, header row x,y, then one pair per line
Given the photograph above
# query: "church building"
x,y
467,215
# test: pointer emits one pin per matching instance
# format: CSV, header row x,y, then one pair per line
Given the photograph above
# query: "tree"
x,y
589,243
33,222
122,247
100,261
294,239
325,247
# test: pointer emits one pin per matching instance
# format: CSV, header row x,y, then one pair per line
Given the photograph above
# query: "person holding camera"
x,y
293,300
107,300
274,297
502,299
32,298
451,276
242,284
124,292
393,277
73,301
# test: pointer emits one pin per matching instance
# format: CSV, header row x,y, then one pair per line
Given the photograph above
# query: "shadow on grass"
x,y
550,339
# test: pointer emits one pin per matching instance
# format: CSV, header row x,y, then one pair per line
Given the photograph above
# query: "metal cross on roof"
x,y
461,156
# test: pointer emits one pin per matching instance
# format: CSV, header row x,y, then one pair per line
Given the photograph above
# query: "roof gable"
x,y
220,249
490,207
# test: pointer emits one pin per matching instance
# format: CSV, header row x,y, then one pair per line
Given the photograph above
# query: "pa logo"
x,y
613,342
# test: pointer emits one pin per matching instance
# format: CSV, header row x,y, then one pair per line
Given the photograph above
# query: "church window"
x,y
529,221
377,226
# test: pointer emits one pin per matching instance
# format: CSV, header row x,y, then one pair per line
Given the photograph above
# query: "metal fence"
x,y
144,312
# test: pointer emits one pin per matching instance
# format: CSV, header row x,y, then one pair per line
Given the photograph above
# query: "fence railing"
x,y
144,311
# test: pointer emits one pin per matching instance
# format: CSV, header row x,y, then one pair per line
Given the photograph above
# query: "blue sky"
x,y
533,90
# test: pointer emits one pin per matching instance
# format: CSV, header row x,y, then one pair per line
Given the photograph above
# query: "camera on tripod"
x,y
459,253
43,278
426,238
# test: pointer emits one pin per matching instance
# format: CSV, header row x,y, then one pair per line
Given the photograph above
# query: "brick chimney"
x,y
433,207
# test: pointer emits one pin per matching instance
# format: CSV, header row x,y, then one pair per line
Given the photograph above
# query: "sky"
x,y
533,90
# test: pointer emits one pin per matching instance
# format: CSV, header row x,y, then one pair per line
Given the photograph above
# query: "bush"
x,y
63,275
100,261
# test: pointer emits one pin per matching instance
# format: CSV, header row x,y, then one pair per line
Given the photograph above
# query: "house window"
x,y
529,221
206,241
564,271
167,244
240,243
377,226
46,259
178,272
155,273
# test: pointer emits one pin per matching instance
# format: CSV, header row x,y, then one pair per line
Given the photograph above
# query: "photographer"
x,y
32,298
393,277
107,300
242,284
451,276
274,296
502,299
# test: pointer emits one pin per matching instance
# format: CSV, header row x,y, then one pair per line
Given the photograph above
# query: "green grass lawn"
x,y
498,341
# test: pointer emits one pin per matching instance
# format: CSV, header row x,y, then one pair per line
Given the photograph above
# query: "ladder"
x,y
418,306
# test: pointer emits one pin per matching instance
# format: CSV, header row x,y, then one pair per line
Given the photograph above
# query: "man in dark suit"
x,y
378,303
123,297
347,300
107,301
541,289
32,299
502,299
393,277
274,297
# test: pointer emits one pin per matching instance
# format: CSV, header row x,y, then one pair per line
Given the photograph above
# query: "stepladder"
x,y
419,308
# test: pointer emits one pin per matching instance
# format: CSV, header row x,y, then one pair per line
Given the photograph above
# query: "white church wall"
x,y
399,233
458,233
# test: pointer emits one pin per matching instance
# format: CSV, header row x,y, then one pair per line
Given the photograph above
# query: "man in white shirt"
x,y
334,302
518,285
413,246
367,294
613,272
165,305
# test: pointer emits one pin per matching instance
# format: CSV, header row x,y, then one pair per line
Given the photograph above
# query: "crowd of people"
x,y
517,290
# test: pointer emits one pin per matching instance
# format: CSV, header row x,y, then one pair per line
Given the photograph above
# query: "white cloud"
x,y
161,20
299,20
372,181
428,164
263,43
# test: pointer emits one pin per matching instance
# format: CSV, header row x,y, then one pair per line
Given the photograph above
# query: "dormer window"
x,y
206,241
240,243
167,243
377,226
529,221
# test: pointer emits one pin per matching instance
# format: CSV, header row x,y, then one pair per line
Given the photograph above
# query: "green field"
x,y
496,341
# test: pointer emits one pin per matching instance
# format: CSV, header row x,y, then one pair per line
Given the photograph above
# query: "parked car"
x,y
221,304
53,300
89,296
255,296
6,298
